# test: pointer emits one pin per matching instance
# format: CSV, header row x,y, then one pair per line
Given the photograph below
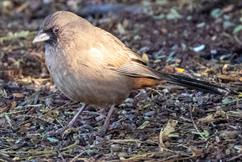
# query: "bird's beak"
x,y
41,37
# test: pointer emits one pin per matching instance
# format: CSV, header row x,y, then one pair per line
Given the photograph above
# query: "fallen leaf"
x,y
196,151
121,29
237,29
173,15
18,95
145,58
144,125
180,70
166,132
2,122
229,134
213,117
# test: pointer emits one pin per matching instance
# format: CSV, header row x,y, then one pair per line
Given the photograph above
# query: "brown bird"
x,y
92,66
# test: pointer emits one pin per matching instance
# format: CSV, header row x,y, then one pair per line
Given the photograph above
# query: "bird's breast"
x,y
84,83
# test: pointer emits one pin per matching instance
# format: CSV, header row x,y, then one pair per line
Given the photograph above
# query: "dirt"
x,y
201,39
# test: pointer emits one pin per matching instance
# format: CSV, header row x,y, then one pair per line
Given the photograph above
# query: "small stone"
x,y
100,117
199,48
150,113
115,147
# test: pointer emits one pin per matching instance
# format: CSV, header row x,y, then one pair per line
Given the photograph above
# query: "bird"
x,y
92,66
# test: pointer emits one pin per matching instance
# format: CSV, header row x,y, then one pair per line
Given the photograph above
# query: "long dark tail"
x,y
196,84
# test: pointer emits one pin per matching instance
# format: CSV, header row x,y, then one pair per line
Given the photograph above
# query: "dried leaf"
x,y
2,122
121,29
18,95
228,134
208,119
213,117
237,113
166,132
180,70
144,125
196,151
145,58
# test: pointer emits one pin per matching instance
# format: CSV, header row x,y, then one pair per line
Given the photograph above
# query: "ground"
x,y
201,39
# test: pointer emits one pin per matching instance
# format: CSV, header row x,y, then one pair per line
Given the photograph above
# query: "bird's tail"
x,y
196,84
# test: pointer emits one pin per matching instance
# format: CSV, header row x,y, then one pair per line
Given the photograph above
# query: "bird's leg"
x,y
107,121
73,120
70,124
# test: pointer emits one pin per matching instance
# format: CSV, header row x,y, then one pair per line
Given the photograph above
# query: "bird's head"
x,y
53,26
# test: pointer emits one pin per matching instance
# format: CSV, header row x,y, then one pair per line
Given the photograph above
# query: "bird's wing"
x,y
120,58
135,69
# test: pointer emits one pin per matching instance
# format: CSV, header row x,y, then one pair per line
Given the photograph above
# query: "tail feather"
x,y
195,84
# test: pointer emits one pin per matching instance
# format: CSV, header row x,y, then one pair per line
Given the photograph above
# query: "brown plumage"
x,y
92,66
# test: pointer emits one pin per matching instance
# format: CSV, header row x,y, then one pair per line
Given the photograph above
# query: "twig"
x,y
76,158
35,117
238,40
13,112
70,146
5,157
30,152
215,4
195,126
235,157
8,120
123,141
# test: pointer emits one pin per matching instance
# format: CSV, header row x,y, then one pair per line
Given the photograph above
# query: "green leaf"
x,y
52,139
237,29
173,15
217,12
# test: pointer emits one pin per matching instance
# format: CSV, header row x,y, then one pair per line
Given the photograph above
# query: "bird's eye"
x,y
55,30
